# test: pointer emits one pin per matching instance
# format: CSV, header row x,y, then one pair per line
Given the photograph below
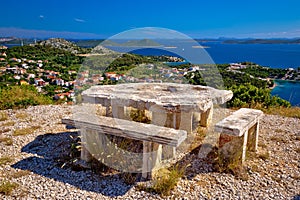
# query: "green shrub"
x,y
165,180
21,97
248,95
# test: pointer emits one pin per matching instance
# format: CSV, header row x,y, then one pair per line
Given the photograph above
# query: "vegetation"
x,y
247,87
127,62
286,112
3,116
6,140
5,159
25,131
165,180
251,96
20,173
21,97
7,187
9,123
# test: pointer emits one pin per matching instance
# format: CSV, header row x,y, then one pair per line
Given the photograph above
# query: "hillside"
x,y
60,43
39,163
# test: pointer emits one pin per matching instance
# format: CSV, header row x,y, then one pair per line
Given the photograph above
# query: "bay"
x,y
288,90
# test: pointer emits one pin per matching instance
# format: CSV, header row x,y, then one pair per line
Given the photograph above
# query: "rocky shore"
x,y
35,162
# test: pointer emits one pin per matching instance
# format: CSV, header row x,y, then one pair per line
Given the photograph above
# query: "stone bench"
x,y
238,132
93,129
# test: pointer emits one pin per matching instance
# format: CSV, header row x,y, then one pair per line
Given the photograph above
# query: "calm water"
x,y
271,55
288,90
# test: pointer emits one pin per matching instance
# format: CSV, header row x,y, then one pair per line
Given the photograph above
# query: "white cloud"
x,y
41,16
79,20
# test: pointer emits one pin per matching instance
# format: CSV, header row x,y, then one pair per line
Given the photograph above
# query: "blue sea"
x,y
270,55
288,90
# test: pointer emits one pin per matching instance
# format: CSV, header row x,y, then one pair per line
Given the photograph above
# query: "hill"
x,y
262,41
60,43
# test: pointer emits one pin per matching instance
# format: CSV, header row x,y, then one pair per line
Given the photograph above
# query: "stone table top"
x,y
173,97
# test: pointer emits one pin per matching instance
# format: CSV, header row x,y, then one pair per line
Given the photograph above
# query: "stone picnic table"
x,y
170,104
173,108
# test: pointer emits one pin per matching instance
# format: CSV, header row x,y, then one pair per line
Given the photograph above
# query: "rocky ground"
x,y
36,162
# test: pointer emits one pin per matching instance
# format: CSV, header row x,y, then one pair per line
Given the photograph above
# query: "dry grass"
x,y
286,112
3,116
7,187
278,139
9,123
129,178
261,144
22,115
165,180
264,156
6,140
5,160
4,130
20,173
25,131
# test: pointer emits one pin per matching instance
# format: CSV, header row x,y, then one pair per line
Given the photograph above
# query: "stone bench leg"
x,y
206,117
253,137
84,154
232,148
151,158
161,118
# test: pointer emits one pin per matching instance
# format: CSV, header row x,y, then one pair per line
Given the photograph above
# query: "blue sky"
x,y
196,18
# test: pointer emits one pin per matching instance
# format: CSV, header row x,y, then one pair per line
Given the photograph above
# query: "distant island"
x,y
132,43
262,41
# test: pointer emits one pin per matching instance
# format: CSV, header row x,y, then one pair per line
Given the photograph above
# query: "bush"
x,y
21,97
253,97
165,180
6,187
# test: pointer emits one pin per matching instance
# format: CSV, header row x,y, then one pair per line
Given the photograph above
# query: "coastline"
x,y
288,90
274,85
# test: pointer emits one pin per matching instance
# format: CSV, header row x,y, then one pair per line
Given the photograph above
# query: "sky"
x,y
195,18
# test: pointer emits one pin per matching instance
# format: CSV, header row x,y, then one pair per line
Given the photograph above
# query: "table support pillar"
x,y
186,122
206,117
118,112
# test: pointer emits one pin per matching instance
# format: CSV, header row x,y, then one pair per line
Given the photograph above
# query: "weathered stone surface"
x,y
129,129
235,136
170,96
239,122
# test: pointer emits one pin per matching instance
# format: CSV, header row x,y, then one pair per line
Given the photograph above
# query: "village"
x,y
62,86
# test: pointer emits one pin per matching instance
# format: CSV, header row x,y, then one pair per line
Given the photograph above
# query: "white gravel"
x,y
277,177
